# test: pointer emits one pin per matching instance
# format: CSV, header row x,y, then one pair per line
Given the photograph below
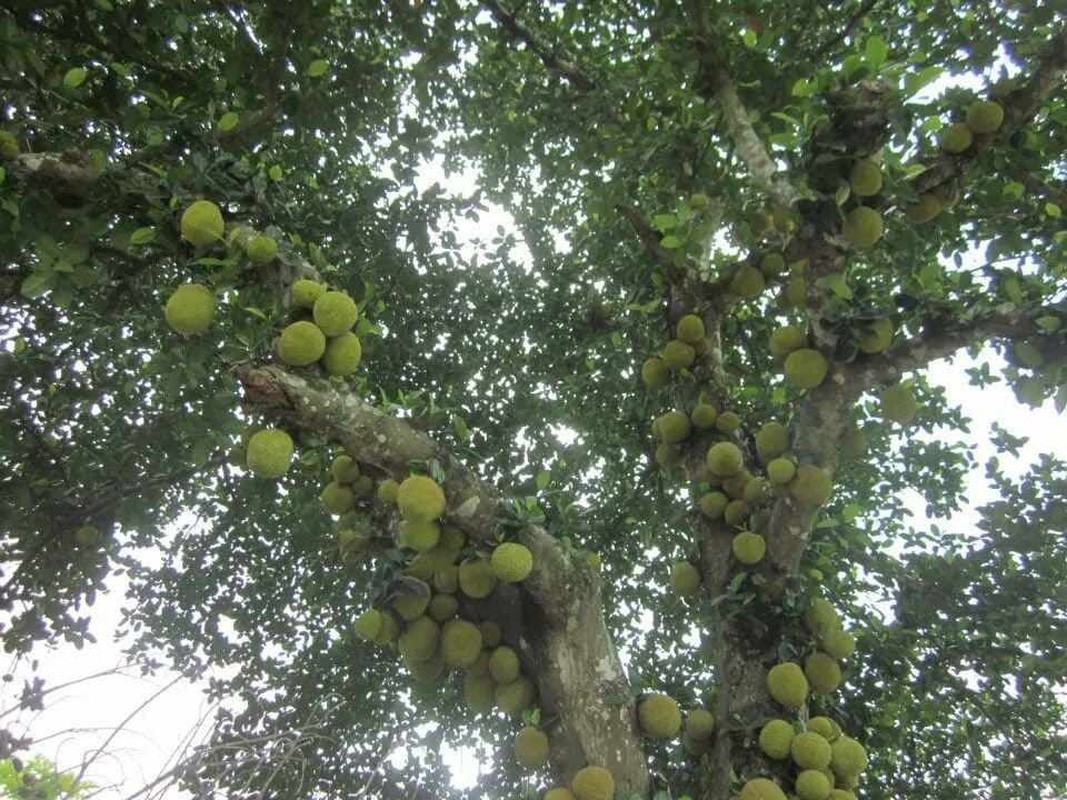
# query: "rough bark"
x,y
562,639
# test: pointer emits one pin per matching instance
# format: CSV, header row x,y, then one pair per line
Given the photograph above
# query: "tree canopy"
x,y
650,290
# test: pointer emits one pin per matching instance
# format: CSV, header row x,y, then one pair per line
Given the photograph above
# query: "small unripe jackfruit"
x,y
865,178
672,427
461,643
504,665
512,698
703,416
811,486
749,548
262,249
690,329
476,578
771,441
811,784
511,562
747,282
685,579
190,310
724,459
899,404
787,685
531,747
677,354
202,224
761,789
787,339
776,738
699,724
848,757
876,337
343,354
335,313
927,208
781,470
713,504
654,373
659,716
956,138
305,292
806,368
419,497
338,498
985,116
823,673
862,227
593,783
838,643
269,453
301,343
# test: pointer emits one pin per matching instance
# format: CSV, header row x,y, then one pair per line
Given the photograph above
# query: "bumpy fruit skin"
x,y
956,138
690,329
821,617
812,785
262,249
876,337
411,606
301,343
926,209
673,427
511,562
344,469
781,470
840,794
478,692
703,416
418,642
190,310
748,282
559,793
476,579
713,504
677,355
810,751
761,789
776,739
387,491
654,373
985,116
442,608
825,727
369,624
305,292
699,724
787,685
269,453
504,665
698,201
531,747
736,512
838,644
338,498
848,757
685,579
772,264
899,404
659,716
343,354
593,783
335,313
811,486
202,224
787,339
823,673
9,146
461,643
512,698
771,441
865,178
749,548
419,534
863,227
727,422
724,459
806,368
419,497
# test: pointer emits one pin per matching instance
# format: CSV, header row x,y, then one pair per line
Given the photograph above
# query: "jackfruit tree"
x,y
559,383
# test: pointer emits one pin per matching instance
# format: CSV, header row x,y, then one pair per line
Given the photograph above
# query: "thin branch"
x,y
831,44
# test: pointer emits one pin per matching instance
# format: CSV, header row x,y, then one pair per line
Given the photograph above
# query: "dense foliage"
x,y
524,202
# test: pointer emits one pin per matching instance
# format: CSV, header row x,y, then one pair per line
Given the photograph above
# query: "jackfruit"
x,y
747,282
411,606
781,470
838,643
785,340
927,208
771,441
335,313
453,538
420,498
304,292
86,535
504,664
703,416
749,548
806,368
419,534
795,293
672,427
337,498
478,691
772,265
876,337
443,607
559,793
190,309
727,422
899,404
427,674
821,617
956,138
761,789
531,747
787,685
811,486
853,442
269,453
865,178
812,785
823,673
736,512
677,355
301,343
654,373
685,579
201,223
262,249
368,624
699,724
445,576
476,578
659,716
825,727
593,783
421,567
344,469
734,486
418,642
668,455
343,354
461,643
713,504
724,459
841,794
862,227
776,739
511,562
757,491
848,757
690,329
512,698
985,116
810,751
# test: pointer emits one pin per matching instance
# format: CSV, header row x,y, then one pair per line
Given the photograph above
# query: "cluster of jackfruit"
x,y
1033,376
346,487
678,354
819,760
190,309
659,717
588,783
804,367
427,618
323,334
673,428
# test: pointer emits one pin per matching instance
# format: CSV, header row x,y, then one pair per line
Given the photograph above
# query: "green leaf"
x,y
671,242
664,222
837,284
318,68
74,78
142,236
228,121
37,283
875,51
543,477
275,173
